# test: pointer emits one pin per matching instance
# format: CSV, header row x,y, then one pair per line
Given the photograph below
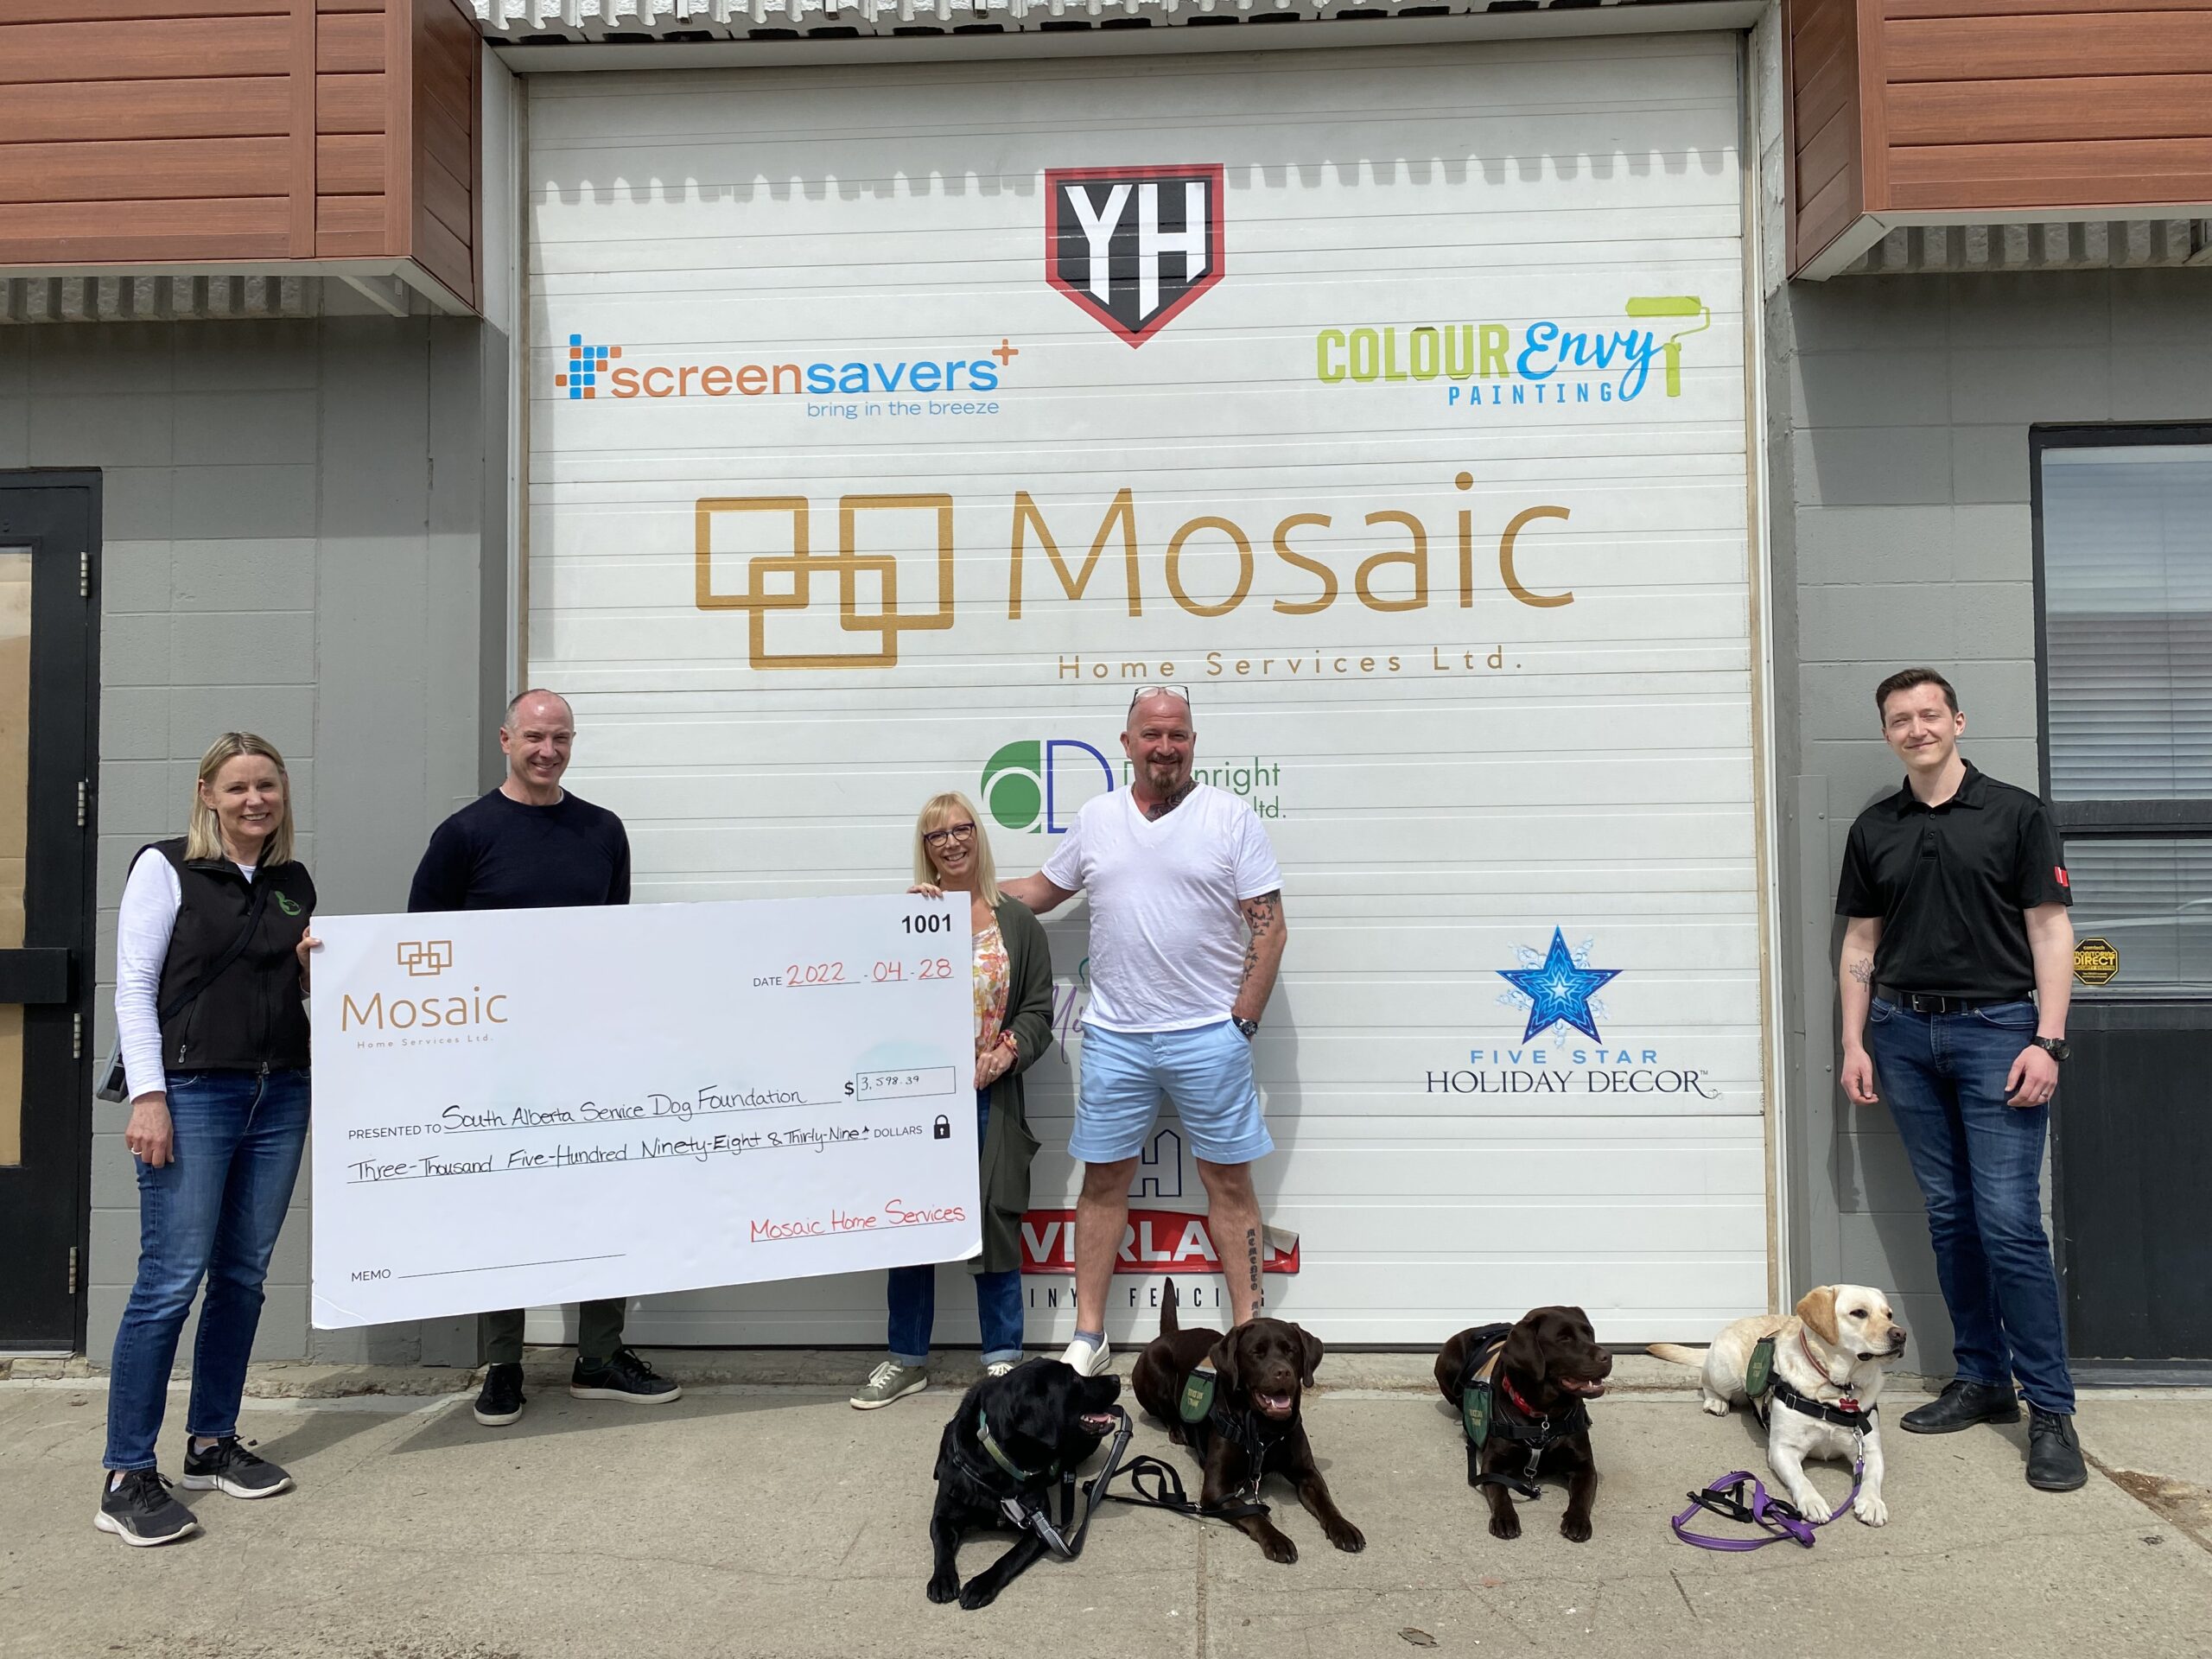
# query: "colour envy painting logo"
x,y
1134,245
1548,361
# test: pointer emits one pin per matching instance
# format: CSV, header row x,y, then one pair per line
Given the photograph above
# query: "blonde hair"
x,y
204,838
952,807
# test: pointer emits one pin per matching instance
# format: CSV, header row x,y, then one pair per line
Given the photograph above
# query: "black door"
x,y
2124,578
49,722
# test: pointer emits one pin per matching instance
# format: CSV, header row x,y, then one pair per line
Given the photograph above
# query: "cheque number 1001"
x,y
934,921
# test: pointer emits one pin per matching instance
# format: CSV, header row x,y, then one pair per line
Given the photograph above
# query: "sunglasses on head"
x,y
1144,691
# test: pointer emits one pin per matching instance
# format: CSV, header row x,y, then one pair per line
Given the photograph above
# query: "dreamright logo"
x,y
1025,787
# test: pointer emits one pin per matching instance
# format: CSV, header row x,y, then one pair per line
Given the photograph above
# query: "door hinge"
x,y
84,799
85,573
76,1036
72,1269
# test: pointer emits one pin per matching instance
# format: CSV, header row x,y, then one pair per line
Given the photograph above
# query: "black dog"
x,y
1254,1427
1545,1366
1012,1434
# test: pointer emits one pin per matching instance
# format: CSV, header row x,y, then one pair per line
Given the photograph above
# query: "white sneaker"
x,y
1087,1360
999,1368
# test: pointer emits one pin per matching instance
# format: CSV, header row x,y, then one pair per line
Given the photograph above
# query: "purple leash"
x,y
1777,1518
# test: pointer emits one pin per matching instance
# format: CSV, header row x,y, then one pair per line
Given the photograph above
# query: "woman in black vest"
x,y
211,969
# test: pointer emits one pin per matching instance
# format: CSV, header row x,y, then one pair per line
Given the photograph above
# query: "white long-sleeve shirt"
x,y
144,926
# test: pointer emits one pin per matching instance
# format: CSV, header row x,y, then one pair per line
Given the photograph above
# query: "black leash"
x,y
1029,1510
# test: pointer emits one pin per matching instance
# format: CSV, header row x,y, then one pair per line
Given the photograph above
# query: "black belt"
x,y
1925,1002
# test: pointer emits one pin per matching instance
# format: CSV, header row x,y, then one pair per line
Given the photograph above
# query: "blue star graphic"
x,y
1559,991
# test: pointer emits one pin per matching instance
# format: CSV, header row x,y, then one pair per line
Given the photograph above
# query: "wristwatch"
x,y
2057,1047
1249,1027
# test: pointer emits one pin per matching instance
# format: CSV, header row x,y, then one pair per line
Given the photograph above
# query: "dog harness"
x,y
1777,1518
1490,1408
1025,1503
1158,1484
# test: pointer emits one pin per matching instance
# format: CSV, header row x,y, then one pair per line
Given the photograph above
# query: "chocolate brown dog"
x,y
1252,1428
1536,1376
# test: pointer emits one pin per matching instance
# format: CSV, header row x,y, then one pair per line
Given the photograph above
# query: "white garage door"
x,y
890,425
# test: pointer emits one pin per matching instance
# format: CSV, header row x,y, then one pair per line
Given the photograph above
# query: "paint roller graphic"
x,y
1674,305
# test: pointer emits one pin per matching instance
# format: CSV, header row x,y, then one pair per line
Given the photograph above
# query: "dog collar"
x,y
1505,1381
1848,1403
996,1452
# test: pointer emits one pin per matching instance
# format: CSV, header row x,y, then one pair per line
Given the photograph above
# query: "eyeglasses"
x,y
1144,691
961,832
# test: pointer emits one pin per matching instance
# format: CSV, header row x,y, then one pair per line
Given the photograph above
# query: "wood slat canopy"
x,y
320,134
1972,112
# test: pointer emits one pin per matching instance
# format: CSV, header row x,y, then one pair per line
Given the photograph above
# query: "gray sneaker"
x,y
887,1381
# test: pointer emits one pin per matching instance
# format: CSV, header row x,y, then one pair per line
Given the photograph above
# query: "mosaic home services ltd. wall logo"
x,y
1134,245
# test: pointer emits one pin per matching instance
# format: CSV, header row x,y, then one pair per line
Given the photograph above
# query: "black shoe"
x,y
499,1401
625,1377
141,1511
2054,1453
231,1465
1961,1405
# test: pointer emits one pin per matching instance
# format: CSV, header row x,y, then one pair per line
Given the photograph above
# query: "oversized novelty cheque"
x,y
513,1108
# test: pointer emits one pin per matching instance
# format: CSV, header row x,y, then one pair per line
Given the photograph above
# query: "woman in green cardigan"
x,y
1014,1026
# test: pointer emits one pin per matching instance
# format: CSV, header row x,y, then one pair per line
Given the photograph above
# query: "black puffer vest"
x,y
252,1017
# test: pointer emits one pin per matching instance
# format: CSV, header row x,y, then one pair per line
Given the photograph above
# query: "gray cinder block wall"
x,y
299,541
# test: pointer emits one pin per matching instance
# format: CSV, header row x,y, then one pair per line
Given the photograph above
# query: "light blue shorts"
x,y
1206,1072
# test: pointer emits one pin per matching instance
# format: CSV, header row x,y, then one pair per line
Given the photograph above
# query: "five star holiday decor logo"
x,y
1558,987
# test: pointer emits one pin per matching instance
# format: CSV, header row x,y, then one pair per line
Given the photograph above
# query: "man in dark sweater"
x,y
530,844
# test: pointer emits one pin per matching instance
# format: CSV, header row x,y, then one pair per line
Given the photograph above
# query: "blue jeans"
x,y
1980,1165
212,1211
912,1294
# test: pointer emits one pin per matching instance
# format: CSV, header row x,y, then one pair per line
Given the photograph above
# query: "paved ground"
x,y
770,1519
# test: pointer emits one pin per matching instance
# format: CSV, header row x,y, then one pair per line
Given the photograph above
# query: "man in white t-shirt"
x,y
1186,935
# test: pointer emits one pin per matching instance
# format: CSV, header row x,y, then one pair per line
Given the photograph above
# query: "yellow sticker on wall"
x,y
2095,962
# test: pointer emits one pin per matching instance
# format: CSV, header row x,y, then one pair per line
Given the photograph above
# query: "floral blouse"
x,y
994,983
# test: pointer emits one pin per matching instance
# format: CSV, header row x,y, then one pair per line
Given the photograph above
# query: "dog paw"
x,y
1871,1509
972,1597
1575,1528
1348,1538
1715,1408
1815,1508
1506,1525
945,1587
1279,1549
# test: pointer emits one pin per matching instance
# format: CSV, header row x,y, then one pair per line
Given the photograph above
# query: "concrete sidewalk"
x,y
768,1518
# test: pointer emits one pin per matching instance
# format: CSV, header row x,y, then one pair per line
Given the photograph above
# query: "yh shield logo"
x,y
1134,245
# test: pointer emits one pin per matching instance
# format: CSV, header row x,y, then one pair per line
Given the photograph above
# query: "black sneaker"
x,y
141,1511
231,1465
625,1377
2054,1453
1961,1405
499,1401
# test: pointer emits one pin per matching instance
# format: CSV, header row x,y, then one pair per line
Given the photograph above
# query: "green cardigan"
x,y
1007,1144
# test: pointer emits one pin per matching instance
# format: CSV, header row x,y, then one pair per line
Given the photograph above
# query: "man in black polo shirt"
x,y
1958,960
530,844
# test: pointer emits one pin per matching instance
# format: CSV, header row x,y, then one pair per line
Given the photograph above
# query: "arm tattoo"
x,y
1862,969
1260,915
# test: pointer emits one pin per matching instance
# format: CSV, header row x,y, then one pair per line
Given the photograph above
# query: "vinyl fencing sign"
x,y
518,1106
890,425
